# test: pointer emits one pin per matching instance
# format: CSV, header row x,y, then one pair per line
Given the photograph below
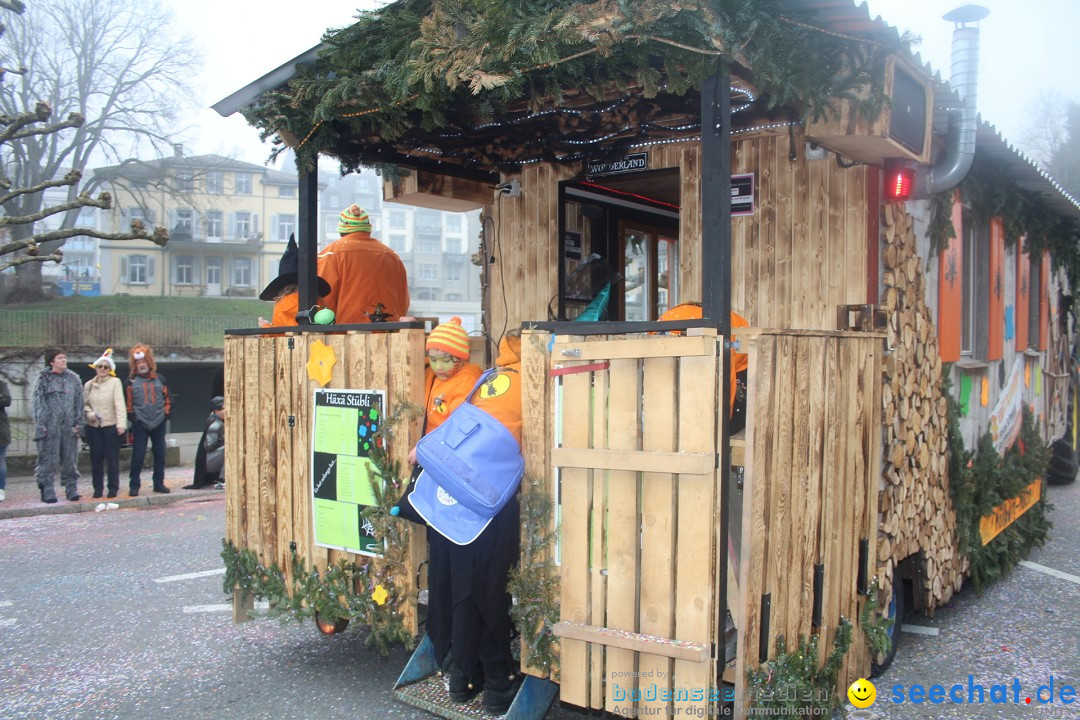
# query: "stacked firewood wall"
x,y
916,511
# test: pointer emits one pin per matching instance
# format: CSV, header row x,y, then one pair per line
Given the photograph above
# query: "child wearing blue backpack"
x,y
471,556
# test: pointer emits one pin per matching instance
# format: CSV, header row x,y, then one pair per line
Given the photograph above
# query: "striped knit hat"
x,y
451,338
353,219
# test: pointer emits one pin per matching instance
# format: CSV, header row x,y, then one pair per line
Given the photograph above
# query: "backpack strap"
x,y
480,381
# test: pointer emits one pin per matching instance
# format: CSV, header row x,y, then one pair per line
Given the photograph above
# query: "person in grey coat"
x,y
58,413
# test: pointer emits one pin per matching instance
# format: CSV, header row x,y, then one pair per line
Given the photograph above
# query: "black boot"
x,y
501,687
462,688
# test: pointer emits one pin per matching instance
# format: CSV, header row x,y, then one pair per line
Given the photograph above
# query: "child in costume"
x,y
468,603
283,290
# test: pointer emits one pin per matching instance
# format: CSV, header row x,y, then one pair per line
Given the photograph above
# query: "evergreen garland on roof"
x,y
428,64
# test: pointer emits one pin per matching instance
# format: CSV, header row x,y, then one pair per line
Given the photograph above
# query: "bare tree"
x,y
1046,131
118,73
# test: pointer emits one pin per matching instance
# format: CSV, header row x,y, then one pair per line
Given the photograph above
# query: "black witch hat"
x,y
289,273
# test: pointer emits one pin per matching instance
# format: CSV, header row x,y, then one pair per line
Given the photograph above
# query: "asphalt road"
x,y
87,631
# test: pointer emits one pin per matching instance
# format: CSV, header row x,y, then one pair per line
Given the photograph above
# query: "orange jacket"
x,y
363,273
692,311
445,395
285,310
500,395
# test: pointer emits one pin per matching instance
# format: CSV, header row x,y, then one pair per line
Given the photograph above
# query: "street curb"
x,y
84,506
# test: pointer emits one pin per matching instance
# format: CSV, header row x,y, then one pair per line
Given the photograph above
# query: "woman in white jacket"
x,y
106,422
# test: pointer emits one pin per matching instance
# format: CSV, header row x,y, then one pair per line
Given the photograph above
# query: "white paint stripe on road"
x,y
7,622
221,607
6,603
191,576
919,630
1051,571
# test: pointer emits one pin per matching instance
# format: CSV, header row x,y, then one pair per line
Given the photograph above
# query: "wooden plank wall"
x,y
639,511
813,465
267,468
801,254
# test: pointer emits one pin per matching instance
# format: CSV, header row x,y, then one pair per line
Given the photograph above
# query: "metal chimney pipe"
x,y
964,78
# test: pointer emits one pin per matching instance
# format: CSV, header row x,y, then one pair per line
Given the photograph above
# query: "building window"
x,y
241,276
428,220
428,272
286,225
396,241
426,294
215,182
184,224
975,282
213,271
286,191
243,183
242,225
185,182
427,244
213,225
137,213
184,273
1035,293
453,272
453,223
453,297
137,269
397,219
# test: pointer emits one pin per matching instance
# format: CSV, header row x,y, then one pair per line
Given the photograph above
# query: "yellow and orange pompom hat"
x,y
353,219
451,338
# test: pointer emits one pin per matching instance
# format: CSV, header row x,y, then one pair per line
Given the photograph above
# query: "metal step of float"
x,y
422,686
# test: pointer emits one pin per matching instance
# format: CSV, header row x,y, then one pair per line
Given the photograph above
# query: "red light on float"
x,y
899,179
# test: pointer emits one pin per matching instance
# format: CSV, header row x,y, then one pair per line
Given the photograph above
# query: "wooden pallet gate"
x,y
635,453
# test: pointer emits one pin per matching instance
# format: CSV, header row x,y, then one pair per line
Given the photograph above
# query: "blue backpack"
x,y
473,457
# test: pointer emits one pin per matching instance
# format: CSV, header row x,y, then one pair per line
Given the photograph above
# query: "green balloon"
x,y
324,317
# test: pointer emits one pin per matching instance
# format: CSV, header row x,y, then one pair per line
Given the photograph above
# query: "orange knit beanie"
x,y
451,338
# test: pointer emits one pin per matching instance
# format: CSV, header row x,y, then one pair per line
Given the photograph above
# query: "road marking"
x,y
919,630
221,607
6,603
191,576
1051,571
7,622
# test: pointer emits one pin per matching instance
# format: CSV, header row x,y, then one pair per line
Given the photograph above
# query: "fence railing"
x,y
71,330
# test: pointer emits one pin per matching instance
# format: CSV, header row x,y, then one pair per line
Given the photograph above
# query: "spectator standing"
x,y
363,273
5,437
148,406
106,423
58,413
210,457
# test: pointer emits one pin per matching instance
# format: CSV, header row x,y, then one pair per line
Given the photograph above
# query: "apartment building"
x,y
228,224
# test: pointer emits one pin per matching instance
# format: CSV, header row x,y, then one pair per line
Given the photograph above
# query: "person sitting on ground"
x,y
283,290
210,456
363,273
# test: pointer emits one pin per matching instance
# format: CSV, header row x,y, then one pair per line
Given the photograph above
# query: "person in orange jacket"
x,y
739,361
283,290
363,273
468,603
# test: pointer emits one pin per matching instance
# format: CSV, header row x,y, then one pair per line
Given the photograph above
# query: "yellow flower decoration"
x,y
380,595
320,364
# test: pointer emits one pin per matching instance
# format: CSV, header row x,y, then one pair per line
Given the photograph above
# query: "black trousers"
x,y
468,603
104,451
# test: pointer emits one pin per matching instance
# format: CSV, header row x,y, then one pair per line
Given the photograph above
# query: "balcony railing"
x,y
40,329
182,235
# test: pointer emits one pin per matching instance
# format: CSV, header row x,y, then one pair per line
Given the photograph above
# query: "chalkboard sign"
x,y
342,438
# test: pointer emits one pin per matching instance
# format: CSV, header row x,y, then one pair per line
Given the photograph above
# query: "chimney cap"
x,y
966,14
